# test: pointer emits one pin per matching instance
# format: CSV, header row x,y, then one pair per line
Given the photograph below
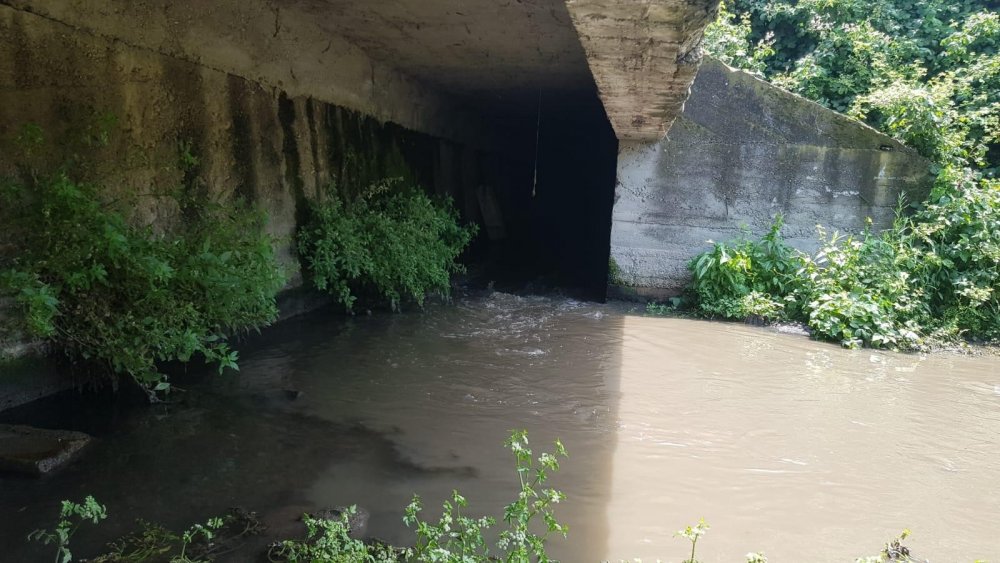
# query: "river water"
x,y
799,449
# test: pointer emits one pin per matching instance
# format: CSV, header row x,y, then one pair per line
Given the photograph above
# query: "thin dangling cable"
x,y
538,128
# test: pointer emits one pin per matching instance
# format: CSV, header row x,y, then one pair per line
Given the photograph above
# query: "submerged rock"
x,y
34,451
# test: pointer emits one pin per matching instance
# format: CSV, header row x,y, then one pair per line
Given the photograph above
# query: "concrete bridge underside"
x,y
413,61
514,108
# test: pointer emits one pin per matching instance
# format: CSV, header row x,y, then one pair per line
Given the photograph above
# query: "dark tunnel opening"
x,y
554,193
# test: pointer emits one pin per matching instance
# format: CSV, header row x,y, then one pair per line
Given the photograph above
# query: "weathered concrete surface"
x,y
428,67
424,64
290,45
252,141
29,378
275,149
742,152
34,451
643,55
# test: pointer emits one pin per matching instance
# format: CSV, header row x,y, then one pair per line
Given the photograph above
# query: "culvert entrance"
x,y
550,226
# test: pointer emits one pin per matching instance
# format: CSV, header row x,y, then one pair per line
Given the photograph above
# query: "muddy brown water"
x,y
799,449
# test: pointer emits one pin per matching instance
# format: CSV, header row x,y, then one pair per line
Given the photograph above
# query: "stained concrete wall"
x,y
287,46
253,140
741,152
643,55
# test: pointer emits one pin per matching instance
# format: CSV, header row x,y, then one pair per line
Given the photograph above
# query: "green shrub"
x,y
107,291
953,248
391,243
855,291
932,276
71,516
330,541
454,537
745,277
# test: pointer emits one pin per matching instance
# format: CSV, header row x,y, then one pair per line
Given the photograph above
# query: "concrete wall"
x,y
740,153
286,46
253,140
643,55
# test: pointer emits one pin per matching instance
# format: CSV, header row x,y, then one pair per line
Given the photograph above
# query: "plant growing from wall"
x,y
392,242
111,293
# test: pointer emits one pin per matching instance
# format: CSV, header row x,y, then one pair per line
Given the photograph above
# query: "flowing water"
x,y
796,448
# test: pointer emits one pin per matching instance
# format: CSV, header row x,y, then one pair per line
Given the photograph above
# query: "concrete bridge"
x,y
539,117
513,107
413,62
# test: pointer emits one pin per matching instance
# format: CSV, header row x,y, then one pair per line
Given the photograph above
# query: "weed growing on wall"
x,y
119,295
391,243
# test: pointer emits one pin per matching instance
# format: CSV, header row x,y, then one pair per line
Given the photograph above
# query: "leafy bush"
x,y
728,39
741,278
927,73
855,291
953,246
389,242
107,291
935,275
330,541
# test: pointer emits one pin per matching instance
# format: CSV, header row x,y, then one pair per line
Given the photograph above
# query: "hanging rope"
x,y
538,128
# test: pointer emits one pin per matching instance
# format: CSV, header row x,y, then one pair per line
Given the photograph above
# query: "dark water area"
x,y
795,448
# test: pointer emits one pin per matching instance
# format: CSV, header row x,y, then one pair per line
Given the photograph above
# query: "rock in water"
x,y
34,451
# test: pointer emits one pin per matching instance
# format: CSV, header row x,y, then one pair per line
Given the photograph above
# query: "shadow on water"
x,y
331,411
797,448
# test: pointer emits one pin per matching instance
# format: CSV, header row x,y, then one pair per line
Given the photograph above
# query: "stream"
x,y
796,448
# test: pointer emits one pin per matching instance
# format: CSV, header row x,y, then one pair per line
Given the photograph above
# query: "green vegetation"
x,y
615,274
71,516
932,278
330,541
926,73
693,534
744,278
121,296
454,538
199,543
390,243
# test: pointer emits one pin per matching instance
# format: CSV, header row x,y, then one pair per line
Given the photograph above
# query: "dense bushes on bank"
x,y
933,277
927,74
107,291
121,296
